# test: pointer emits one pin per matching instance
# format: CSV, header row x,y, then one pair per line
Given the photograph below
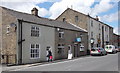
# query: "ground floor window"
x,y
35,51
82,48
60,48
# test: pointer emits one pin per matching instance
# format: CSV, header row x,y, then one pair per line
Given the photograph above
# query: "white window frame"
x,y
61,34
35,30
61,47
35,53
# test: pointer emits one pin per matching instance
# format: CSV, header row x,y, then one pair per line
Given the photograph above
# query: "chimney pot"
x,y
97,18
34,11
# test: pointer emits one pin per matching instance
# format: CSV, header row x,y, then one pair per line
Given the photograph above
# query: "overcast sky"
x,y
107,10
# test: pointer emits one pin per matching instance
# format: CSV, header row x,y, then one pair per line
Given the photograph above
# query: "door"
x,y
69,49
75,50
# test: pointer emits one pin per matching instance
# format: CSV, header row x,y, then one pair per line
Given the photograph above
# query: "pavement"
x,y
88,63
15,67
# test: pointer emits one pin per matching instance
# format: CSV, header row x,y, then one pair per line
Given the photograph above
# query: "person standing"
x,y
50,55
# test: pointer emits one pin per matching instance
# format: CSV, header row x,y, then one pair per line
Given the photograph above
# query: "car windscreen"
x,y
110,47
93,49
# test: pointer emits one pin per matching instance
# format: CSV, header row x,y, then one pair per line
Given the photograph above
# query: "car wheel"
x,y
113,52
106,53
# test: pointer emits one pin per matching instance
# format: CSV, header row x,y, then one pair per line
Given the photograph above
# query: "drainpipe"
x,y
20,41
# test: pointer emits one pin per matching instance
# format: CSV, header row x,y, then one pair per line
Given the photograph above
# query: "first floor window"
x,y
34,51
61,35
91,23
35,31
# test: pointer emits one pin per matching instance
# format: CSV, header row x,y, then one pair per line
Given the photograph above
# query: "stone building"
x,y
99,33
25,38
116,40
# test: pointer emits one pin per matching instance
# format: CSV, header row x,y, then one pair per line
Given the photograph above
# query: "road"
x,y
90,63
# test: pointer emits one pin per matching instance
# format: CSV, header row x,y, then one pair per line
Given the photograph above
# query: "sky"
x,y
106,10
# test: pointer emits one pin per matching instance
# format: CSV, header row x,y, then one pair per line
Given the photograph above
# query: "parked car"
x,y
110,49
98,51
118,49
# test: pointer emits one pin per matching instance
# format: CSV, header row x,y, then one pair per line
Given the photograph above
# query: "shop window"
x,y
81,47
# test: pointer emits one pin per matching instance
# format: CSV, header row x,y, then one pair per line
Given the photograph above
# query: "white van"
x,y
110,49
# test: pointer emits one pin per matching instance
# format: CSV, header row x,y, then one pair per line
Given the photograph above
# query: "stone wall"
x,y
69,39
70,15
8,38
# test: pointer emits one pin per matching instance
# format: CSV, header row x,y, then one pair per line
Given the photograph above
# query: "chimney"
x,y
88,14
97,18
34,11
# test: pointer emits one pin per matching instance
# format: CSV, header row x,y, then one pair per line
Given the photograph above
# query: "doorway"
x,y
76,50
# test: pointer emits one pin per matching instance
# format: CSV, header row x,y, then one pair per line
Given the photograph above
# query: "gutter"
x,y
50,25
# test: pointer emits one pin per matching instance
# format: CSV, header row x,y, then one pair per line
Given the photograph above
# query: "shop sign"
x,y
78,39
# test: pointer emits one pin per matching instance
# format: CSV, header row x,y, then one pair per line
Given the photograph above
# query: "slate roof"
x,y
84,15
41,20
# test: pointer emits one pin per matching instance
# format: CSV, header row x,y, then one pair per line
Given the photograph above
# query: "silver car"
x,y
98,51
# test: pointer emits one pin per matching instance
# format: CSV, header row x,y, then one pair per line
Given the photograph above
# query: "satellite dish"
x,y
13,25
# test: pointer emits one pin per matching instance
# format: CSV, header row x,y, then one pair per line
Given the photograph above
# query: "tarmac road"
x,y
91,63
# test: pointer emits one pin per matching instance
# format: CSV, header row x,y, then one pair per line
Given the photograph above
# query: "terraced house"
x,y
25,37
99,33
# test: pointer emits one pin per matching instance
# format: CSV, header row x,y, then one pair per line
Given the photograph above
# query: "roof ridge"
x,y
83,14
14,10
25,13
